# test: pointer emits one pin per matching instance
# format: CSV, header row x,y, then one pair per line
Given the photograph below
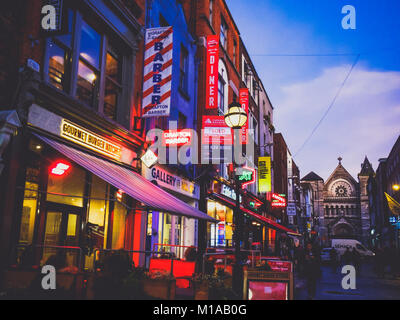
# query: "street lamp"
x,y
236,118
396,187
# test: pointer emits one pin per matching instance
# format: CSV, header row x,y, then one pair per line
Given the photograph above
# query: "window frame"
x,y
126,54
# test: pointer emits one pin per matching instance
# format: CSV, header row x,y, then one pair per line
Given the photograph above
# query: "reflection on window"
x,y
113,84
87,80
28,212
68,188
221,94
118,223
90,45
223,33
56,66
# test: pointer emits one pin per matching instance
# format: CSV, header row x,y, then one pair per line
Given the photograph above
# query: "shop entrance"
x,y
61,236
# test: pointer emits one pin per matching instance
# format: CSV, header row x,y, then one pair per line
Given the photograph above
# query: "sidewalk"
x,y
368,286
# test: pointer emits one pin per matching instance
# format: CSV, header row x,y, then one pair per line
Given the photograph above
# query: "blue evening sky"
x,y
365,120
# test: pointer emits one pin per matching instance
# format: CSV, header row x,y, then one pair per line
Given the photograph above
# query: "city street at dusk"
x,y
187,153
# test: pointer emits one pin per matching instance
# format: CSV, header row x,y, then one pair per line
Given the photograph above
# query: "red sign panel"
x,y
215,131
212,72
244,102
278,200
176,137
264,290
281,266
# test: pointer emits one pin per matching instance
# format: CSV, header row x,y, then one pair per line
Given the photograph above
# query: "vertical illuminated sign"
x,y
244,102
212,72
264,174
157,72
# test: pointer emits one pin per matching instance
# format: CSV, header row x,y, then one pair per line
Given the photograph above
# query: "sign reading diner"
x,y
89,140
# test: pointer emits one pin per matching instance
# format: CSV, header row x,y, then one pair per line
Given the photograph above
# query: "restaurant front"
x,y
81,196
166,232
260,232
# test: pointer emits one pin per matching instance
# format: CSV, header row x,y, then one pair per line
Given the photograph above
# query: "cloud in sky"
x,y
365,119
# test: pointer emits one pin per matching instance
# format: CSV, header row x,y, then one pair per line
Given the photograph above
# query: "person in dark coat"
x,y
311,270
347,257
333,254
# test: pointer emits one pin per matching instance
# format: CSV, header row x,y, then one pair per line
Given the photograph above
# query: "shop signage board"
x,y
278,200
291,209
212,72
157,74
246,176
244,102
267,285
167,180
88,139
264,174
176,137
216,135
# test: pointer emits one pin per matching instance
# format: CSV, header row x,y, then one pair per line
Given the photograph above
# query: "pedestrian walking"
x,y
347,257
334,259
311,271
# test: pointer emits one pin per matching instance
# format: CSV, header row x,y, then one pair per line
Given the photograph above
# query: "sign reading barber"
x,y
157,72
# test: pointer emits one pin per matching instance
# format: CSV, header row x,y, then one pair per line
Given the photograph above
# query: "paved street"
x,y
368,286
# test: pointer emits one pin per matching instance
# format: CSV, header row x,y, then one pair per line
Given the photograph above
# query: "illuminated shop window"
x,y
67,188
29,206
119,224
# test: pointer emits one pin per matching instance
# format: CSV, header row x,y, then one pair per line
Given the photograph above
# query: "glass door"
x,y
61,238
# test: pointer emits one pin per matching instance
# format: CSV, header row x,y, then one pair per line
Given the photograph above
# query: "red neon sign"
x,y
244,102
278,200
212,72
177,138
60,168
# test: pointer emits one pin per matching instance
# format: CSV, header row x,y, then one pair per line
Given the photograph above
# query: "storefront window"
x,y
67,188
220,234
118,224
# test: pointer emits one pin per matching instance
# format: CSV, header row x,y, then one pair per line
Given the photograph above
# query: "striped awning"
x,y
129,182
261,218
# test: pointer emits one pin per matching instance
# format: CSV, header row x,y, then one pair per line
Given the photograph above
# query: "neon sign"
x,y
247,176
278,200
177,138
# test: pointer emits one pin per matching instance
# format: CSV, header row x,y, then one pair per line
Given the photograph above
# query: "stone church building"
x,y
340,204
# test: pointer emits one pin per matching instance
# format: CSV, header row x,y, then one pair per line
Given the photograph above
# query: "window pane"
x,y
86,85
67,38
68,188
90,45
118,232
28,212
113,67
56,66
111,100
98,203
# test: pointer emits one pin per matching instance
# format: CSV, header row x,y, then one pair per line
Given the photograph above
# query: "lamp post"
x,y
236,118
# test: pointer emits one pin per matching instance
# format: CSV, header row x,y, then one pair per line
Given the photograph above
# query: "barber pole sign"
x,y
212,72
157,72
244,102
